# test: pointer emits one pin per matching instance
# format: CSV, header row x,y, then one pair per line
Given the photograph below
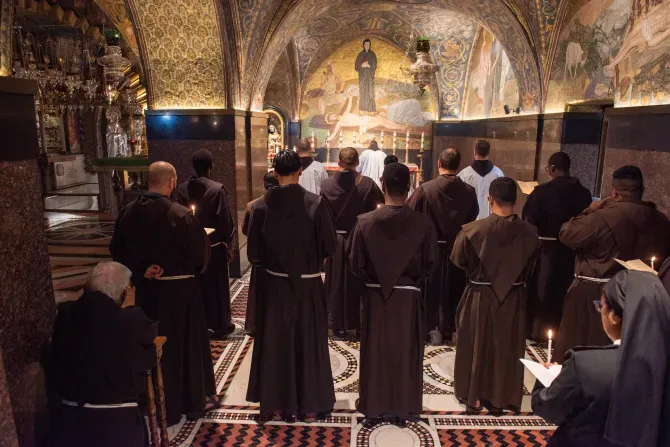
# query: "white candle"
x,y
549,348
653,259
193,209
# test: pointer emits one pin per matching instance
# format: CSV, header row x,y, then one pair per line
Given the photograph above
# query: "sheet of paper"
x,y
545,375
637,265
527,187
209,231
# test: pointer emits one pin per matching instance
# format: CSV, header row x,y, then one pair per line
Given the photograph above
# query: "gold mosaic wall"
x,y
183,54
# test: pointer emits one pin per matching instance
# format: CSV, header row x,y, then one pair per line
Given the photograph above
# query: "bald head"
x,y
348,158
162,178
303,146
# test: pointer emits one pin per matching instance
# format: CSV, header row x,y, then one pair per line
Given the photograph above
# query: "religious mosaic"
x,y
359,92
492,83
183,53
617,50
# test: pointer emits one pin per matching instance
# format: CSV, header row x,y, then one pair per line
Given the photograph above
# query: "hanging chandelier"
x,y
114,64
423,69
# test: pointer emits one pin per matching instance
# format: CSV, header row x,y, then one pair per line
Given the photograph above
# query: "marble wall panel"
x,y
258,151
27,305
655,166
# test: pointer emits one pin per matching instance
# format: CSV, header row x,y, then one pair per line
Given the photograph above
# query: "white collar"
x,y
617,342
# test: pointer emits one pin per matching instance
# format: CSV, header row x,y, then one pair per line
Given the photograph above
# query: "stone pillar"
x,y
27,305
238,141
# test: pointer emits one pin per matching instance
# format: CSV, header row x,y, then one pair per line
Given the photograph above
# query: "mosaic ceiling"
x,y
262,29
334,21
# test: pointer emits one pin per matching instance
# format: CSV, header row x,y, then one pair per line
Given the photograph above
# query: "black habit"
x,y
579,398
349,194
393,249
212,210
622,230
548,207
291,233
100,356
153,230
450,203
498,255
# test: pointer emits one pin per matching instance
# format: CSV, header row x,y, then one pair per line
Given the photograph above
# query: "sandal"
x,y
309,418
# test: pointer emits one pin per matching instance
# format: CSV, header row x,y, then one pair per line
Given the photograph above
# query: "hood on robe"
x,y
399,236
482,167
287,217
638,228
504,246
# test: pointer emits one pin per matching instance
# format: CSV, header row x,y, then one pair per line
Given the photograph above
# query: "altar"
x,y
332,167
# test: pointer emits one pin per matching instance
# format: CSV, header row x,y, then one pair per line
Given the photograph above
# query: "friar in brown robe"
x,y
450,203
393,250
619,227
257,277
291,233
498,255
165,247
548,207
210,202
349,194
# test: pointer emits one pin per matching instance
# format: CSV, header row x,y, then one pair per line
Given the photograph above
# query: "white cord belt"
x,y
542,238
175,278
219,243
285,275
588,278
442,242
69,403
478,283
341,232
378,286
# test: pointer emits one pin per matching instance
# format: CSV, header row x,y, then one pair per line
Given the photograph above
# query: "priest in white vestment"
x,y
372,163
480,174
313,172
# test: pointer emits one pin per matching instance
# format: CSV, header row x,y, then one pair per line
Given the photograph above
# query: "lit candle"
x,y
193,209
379,205
407,140
422,136
549,348
652,262
313,140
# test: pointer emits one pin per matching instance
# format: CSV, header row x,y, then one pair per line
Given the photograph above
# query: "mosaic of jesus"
x,y
359,94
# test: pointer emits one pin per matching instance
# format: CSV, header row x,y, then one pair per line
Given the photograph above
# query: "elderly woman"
x,y
617,395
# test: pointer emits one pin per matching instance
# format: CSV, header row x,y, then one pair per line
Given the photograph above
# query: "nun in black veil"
x,y
618,395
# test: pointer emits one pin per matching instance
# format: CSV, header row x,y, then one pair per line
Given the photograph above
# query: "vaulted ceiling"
x,y
255,34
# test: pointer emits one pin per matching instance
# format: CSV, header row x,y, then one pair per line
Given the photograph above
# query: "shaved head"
x,y
160,177
349,157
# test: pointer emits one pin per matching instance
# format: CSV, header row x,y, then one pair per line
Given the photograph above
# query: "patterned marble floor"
x,y
76,244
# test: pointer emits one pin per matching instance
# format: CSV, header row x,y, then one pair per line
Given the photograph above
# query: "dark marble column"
x,y
639,136
27,305
237,139
578,135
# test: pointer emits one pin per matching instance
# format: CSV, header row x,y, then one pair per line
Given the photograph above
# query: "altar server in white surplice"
x,y
372,163
480,174
313,172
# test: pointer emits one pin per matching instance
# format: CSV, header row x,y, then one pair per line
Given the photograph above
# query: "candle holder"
x,y
407,155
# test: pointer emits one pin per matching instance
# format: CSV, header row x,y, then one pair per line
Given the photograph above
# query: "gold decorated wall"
x,y
181,45
492,83
333,101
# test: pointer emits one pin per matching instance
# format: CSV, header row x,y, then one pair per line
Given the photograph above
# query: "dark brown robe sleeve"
x,y
326,230
531,209
563,399
357,253
417,201
144,334
118,249
255,236
197,243
460,254
430,251
582,231
224,225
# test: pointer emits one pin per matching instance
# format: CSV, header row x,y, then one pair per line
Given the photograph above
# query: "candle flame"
x,y
550,334
379,205
653,258
193,208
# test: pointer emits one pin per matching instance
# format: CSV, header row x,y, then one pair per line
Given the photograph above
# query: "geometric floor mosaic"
x,y
76,244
